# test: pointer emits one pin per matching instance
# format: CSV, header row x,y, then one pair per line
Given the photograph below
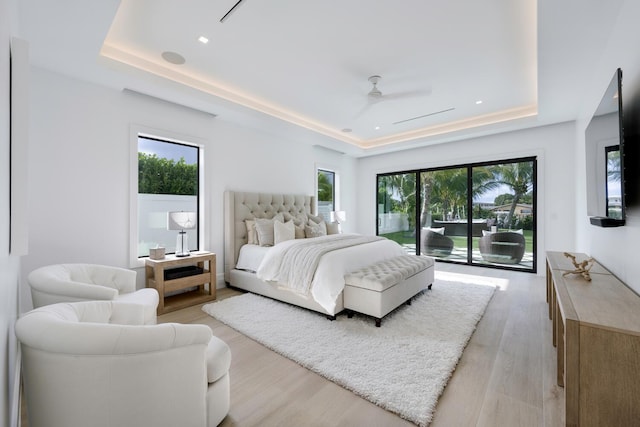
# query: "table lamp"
x,y
182,221
338,216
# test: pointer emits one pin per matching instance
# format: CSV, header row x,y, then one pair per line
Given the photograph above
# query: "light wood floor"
x,y
506,376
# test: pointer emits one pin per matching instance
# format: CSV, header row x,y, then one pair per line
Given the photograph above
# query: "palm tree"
x,y
449,188
519,178
401,188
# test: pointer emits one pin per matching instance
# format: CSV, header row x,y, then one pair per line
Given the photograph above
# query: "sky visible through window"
x,y
168,150
490,196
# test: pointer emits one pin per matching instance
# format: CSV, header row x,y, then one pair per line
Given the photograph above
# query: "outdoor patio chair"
x,y
503,247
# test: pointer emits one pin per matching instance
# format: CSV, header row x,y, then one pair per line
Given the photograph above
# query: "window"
x,y
326,193
168,180
480,214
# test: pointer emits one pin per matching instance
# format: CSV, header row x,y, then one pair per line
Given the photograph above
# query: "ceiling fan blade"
x,y
364,109
226,15
406,95
424,115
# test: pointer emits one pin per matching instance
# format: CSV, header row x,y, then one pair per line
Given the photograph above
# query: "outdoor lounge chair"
x,y
435,244
503,247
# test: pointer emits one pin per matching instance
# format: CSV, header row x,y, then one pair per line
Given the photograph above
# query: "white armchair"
x,y
85,282
91,364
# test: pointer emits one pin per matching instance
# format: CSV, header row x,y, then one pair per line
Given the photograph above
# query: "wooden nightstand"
x,y
155,278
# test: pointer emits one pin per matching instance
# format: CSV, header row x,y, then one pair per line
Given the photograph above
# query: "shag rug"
x,y
403,366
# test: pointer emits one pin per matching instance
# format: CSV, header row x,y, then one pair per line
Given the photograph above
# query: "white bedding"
x,y
328,281
251,256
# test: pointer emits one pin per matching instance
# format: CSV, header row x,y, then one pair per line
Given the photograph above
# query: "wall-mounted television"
x,y
604,139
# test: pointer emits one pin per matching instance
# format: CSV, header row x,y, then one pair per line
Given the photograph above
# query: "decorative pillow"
x,y
315,230
316,219
252,237
283,231
333,227
486,232
298,220
299,230
516,231
439,230
264,229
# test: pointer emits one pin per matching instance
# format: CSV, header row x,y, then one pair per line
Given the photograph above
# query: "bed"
x,y
324,292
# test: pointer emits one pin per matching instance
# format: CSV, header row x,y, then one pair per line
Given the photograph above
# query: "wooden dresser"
x,y
596,329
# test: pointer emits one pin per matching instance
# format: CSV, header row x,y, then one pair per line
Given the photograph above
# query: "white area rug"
x,y
402,366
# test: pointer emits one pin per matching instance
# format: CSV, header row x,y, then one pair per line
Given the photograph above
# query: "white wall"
x,y
9,265
616,248
79,168
552,145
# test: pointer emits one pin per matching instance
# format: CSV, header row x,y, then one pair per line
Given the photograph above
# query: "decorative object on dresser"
x,y
581,268
94,363
596,330
173,274
84,282
402,367
182,221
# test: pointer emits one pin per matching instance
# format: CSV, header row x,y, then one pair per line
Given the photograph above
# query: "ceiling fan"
x,y
375,95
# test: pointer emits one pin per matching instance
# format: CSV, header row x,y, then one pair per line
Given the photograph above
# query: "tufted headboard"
x,y
239,206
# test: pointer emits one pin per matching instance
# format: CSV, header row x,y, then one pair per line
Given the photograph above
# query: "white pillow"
x,y
252,237
486,233
283,231
516,231
333,228
264,229
315,219
315,230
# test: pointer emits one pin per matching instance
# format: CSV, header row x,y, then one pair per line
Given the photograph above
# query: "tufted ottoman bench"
x,y
379,288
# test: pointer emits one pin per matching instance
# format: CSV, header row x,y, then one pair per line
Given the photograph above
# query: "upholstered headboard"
x,y
240,206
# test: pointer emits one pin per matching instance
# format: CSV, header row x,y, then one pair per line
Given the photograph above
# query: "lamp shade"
x,y
339,216
181,220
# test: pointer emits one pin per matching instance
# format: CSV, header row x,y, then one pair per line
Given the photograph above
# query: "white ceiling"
x,y
305,64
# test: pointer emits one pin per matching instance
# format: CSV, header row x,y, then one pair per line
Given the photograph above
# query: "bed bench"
x,y
378,289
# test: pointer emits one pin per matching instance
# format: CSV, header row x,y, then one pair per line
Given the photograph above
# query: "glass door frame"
x,y
469,205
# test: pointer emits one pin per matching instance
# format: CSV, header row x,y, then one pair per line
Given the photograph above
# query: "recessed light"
x,y
203,40
377,128
346,130
478,102
173,57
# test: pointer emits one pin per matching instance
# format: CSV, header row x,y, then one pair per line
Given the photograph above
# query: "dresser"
x,y
596,332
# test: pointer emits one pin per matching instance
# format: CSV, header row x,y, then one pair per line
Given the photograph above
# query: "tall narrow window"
x,y
326,193
168,181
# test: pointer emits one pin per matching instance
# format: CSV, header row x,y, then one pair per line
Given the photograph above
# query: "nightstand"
x,y
204,272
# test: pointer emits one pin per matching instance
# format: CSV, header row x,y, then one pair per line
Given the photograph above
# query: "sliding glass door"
x,y
443,217
397,207
480,214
